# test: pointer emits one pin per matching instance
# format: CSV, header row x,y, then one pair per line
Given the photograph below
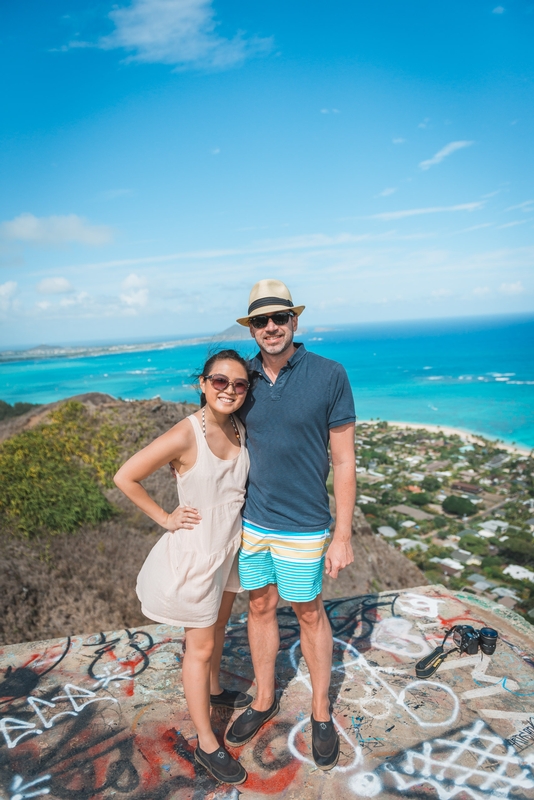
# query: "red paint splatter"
x,y
276,783
162,746
280,780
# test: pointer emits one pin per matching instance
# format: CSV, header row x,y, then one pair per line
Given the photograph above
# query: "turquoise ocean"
x,y
475,374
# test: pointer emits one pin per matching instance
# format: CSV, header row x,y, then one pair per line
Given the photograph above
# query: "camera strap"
x,y
428,665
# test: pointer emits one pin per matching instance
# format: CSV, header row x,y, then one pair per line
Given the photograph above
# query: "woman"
x,y
190,577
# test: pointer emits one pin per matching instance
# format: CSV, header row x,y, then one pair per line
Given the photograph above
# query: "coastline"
x,y
467,436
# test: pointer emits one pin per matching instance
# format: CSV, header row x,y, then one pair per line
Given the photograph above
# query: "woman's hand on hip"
x,y
182,517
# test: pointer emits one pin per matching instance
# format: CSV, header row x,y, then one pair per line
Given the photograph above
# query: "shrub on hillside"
x,y
460,506
7,411
51,476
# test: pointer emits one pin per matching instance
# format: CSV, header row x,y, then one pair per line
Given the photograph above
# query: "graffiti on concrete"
x,y
524,738
474,763
135,646
90,718
22,680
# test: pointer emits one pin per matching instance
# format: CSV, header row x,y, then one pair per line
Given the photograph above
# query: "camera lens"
x,y
488,640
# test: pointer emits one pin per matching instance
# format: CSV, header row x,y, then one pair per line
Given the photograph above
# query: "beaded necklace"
x,y
232,420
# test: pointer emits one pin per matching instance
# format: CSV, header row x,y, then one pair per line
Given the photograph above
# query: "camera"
x,y
468,640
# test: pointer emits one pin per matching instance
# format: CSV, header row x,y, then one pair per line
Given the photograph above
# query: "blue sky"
x,y
159,156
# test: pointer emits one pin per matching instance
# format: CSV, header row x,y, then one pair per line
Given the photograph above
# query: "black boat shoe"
x,y
248,724
229,698
221,765
325,744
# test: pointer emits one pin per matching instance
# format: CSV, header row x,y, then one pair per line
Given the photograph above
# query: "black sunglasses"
x,y
221,382
280,318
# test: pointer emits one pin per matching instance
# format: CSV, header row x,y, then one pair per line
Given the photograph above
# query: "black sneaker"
x,y
325,744
229,698
248,724
221,765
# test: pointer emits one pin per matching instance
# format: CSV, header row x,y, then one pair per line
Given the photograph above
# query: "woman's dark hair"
x,y
221,355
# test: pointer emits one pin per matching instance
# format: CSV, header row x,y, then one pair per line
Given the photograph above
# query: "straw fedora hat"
x,y
268,297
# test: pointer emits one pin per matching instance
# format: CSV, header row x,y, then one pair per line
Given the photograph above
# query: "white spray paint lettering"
x,y
23,791
73,694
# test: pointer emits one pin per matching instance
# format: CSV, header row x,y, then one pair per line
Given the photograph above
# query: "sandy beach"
x,y
467,436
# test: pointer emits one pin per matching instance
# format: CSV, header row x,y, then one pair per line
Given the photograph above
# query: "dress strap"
x,y
198,436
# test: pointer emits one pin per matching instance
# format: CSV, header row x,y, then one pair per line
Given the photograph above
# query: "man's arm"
x,y
340,554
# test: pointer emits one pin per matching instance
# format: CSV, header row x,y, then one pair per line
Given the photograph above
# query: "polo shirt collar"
x,y
257,364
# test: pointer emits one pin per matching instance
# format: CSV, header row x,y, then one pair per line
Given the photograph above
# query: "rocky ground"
x,y
83,582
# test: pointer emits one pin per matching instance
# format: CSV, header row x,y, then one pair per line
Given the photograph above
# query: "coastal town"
x,y
461,507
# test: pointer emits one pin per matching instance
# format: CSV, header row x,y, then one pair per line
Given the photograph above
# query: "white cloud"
x,y
441,293
511,224
135,292
498,10
386,192
480,291
424,123
80,299
398,141
7,291
54,286
527,206
215,151
414,212
54,230
443,153
476,227
178,32
511,288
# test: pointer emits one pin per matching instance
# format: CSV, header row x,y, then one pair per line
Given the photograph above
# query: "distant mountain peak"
x,y
235,332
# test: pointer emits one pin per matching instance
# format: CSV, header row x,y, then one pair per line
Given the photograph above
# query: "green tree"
x,y
430,483
390,497
460,506
475,545
518,550
419,498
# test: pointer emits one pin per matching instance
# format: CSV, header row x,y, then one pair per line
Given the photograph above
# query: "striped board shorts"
x,y
293,561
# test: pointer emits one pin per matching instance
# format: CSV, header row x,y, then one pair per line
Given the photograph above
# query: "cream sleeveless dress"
x,y
183,578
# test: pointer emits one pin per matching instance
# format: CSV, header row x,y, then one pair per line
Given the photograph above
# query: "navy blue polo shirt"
x,y
288,425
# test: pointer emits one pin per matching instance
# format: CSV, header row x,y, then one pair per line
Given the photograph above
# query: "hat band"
x,y
269,301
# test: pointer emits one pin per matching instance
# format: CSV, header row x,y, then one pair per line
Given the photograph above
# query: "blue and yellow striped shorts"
x,y
293,561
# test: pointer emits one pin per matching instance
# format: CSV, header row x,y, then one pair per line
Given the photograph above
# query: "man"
x,y
298,405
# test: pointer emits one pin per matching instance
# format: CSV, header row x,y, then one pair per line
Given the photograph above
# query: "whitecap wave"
x,y
141,371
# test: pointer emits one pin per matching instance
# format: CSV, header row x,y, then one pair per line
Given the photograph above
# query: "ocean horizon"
x,y
476,374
